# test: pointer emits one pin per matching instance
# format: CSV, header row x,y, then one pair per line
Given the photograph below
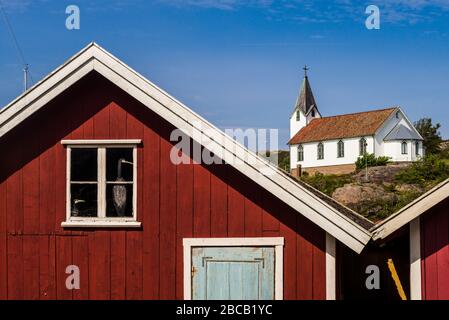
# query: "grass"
x,y
327,183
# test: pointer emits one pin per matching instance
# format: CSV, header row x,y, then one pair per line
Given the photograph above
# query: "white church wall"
x,y
295,126
330,153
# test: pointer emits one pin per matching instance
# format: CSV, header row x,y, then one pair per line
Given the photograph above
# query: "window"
x,y
300,153
404,147
313,113
397,115
362,146
101,183
341,149
417,148
298,115
320,151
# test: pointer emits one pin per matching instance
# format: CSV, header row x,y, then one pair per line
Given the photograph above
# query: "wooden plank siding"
x,y
435,252
173,202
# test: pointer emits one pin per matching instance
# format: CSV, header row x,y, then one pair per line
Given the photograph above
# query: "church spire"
x,y
305,101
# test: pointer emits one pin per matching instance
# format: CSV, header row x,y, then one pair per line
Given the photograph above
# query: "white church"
x,y
331,145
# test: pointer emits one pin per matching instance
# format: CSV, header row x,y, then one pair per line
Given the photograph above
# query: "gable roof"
x,y
411,211
401,132
95,58
305,101
343,126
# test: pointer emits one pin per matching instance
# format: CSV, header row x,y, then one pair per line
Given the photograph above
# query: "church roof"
x,y
401,132
305,101
343,126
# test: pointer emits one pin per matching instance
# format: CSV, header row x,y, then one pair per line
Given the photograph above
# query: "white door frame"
x,y
277,243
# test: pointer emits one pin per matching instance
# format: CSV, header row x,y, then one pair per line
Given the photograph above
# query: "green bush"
x,y
371,160
429,170
327,183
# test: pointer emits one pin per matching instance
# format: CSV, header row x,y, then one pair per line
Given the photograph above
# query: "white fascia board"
x,y
411,211
180,116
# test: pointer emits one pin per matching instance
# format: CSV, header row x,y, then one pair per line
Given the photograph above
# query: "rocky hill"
x,y
378,192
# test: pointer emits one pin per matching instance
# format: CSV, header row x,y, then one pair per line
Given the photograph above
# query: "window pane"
x,y
119,200
119,164
84,164
84,200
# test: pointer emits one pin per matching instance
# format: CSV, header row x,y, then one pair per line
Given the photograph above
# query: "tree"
x,y
430,134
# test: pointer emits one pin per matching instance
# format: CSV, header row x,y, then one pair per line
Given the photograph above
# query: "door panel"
x,y
233,273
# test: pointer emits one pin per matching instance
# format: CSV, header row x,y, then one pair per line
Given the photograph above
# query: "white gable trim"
x,y
392,115
411,211
277,182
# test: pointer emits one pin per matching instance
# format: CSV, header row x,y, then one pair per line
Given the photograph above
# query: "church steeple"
x,y
305,101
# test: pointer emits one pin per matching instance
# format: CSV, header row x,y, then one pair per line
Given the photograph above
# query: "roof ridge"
x,y
356,113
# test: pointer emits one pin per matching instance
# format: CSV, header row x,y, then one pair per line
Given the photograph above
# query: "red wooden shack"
x,y
425,224
87,180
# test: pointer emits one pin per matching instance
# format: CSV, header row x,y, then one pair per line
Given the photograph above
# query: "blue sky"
x,y
239,63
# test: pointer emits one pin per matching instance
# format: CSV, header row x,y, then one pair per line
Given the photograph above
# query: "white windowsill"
x,y
101,224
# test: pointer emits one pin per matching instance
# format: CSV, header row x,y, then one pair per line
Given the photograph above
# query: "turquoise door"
x,y
233,273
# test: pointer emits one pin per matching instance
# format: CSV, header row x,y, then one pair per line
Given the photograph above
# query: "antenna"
x,y
26,68
25,77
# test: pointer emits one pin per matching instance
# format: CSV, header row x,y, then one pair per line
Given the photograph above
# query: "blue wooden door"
x,y
233,273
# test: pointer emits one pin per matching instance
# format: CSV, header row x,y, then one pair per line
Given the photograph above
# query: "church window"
x,y
404,147
320,151
298,115
362,146
300,153
341,149
417,148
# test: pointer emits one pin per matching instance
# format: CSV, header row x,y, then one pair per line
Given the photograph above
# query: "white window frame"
x,y
277,243
101,220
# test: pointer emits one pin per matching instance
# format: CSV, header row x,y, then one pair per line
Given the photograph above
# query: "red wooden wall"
x,y
173,202
435,252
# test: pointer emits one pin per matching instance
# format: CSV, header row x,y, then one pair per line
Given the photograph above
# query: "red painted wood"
x,y
150,214
174,202
118,265
80,258
15,268
31,267
304,253
134,263
99,265
184,217
47,267
201,202
219,202
236,211
63,260
3,244
319,266
167,223
31,197
253,213
287,230
435,252
117,130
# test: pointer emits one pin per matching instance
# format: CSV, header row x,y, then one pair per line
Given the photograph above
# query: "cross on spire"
x,y
305,70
